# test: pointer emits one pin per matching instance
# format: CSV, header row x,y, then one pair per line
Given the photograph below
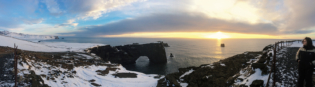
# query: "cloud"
x,y
301,16
14,13
86,9
53,7
241,16
66,24
69,22
9,22
182,22
32,21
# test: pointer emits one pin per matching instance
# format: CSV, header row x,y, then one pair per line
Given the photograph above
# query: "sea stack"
x,y
222,45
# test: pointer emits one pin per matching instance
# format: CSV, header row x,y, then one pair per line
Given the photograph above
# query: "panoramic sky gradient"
x,y
275,19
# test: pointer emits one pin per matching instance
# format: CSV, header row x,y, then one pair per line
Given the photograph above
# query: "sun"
x,y
218,35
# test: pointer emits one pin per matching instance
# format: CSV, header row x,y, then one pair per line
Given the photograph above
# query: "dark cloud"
x,y
175,23
299,31
302,15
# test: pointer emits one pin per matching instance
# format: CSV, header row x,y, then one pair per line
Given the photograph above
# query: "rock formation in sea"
x,y
128,54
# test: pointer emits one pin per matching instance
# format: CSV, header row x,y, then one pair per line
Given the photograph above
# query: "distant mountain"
x,y
28,37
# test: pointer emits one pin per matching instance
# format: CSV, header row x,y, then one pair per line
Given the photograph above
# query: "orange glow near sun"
x,y
218,35
200,35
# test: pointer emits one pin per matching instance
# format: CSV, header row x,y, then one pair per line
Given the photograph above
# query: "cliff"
x,y
128,54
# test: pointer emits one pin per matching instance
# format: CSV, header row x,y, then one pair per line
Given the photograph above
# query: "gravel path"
x,y
287,71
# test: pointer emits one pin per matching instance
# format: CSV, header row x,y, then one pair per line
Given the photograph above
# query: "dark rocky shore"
x,y
220,74
211,75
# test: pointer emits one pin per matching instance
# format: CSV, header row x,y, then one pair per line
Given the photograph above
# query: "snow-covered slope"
x,y
45,47
75,70
286,73
85,76
28,37
26,45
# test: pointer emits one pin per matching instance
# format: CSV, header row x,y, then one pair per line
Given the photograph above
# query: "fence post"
x,y
281,44
15,64
274,64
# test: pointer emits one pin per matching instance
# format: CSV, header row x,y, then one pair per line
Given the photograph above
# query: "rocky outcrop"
x,y
218,74
56,37
257,83
128,54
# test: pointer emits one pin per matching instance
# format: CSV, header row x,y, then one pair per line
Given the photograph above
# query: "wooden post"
x,y
274,65
278,46
15,64
281,45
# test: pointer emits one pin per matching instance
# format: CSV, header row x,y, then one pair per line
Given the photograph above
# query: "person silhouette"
x,y
305,57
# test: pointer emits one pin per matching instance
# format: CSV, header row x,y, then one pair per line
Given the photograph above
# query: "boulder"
x,y
261,66
257,83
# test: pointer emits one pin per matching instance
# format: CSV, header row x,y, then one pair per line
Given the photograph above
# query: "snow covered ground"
x,y
84,76
28,37
298,44
183,84
45,47
247,77
283,57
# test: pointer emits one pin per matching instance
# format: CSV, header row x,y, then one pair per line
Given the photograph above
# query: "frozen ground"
x,y
45,47
247,76
85,76
286,71
28,37
88,70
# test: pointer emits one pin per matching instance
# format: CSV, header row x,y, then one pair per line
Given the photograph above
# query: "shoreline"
x,y
192,75
213,71
254,71
220,73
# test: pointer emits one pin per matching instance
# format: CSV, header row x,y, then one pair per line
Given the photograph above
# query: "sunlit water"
x,y
187,52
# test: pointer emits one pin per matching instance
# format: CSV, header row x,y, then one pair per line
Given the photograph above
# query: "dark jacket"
x,y
306,57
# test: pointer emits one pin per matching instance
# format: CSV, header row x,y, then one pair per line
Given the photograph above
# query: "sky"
x,y
271,19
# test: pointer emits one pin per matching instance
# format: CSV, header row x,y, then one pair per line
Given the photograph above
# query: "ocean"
x,y
187,52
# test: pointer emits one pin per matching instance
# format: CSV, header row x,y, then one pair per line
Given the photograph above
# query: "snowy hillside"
x,y
28,37
50,64
96,74
45,47
286,73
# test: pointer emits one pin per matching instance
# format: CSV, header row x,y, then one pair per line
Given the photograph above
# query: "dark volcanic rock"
x,y
56,37
128,54
207,75
262,67
126,75
257,83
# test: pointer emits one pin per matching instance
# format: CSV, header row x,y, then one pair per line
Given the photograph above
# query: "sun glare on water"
x,y
218,35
